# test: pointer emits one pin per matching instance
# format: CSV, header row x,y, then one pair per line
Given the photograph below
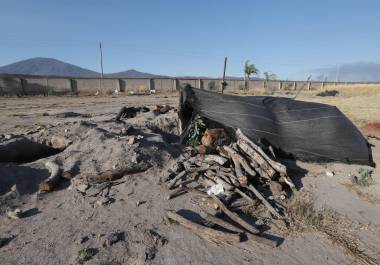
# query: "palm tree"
x,y
249,69
269,76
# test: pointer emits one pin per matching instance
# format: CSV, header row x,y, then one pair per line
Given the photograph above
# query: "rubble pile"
x,y
227,175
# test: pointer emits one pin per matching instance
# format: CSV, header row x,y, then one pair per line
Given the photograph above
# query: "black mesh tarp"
x,y
305,130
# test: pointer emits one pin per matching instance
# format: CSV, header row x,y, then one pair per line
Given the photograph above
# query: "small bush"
x,y
363,177
85,255
304,210
196,130
328,93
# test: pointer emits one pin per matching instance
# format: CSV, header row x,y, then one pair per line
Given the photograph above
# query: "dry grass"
x,y
360,103
362,194
304,215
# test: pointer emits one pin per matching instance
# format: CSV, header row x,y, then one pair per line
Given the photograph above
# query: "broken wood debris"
x,y
55,175
111,175
130,112
207,233
239,169
162,109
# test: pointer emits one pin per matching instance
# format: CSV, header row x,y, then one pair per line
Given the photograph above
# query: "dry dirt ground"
x,y
335,220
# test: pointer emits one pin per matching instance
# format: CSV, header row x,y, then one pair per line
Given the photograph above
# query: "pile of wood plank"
x,y
223,172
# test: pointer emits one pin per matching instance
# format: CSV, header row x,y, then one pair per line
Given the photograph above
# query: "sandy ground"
x,y
57,225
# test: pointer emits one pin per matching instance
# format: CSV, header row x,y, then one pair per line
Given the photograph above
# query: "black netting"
x,y
305,130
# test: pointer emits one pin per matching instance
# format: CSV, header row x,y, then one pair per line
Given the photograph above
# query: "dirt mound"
x,y
372,129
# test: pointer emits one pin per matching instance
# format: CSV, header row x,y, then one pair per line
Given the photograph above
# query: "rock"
x,y
330,173
138,203
83,239
8,136
67,174
126,130
15,214
216,189
131,140
104,201
59,142
82,188
113,238
134,158
5,240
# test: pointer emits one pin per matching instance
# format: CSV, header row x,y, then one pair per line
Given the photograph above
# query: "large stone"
x,y
59,142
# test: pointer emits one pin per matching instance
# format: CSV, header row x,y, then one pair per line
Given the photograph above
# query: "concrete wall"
x,y
164,85
14,85
35,86
59,86
87,85
10,86
135,85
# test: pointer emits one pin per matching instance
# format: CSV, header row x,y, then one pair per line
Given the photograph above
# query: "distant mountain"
x,y
133,74
53,67
355,72
46,67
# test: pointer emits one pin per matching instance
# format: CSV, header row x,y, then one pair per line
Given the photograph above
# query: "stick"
x,y
241,160
205,232
234,217
217,221
239,173
267,170
111,175
288,181
215,158
245,196
233,179
277,166
52,181
264,201
225,184
184,172
176,178
184,182
178,191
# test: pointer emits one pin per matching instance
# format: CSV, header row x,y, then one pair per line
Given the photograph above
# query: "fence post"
x,y
279,85
47,86
200,85
294,85
175,84
150,84
308,85
322,85
23,82
120,85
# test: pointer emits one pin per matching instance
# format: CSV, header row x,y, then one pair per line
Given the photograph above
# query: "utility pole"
x,y
224,75
337,73
101,60
101,66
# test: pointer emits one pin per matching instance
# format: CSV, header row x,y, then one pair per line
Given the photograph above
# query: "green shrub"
x,y
363,177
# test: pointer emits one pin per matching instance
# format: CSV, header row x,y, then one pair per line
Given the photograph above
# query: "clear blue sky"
x,y
288,38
